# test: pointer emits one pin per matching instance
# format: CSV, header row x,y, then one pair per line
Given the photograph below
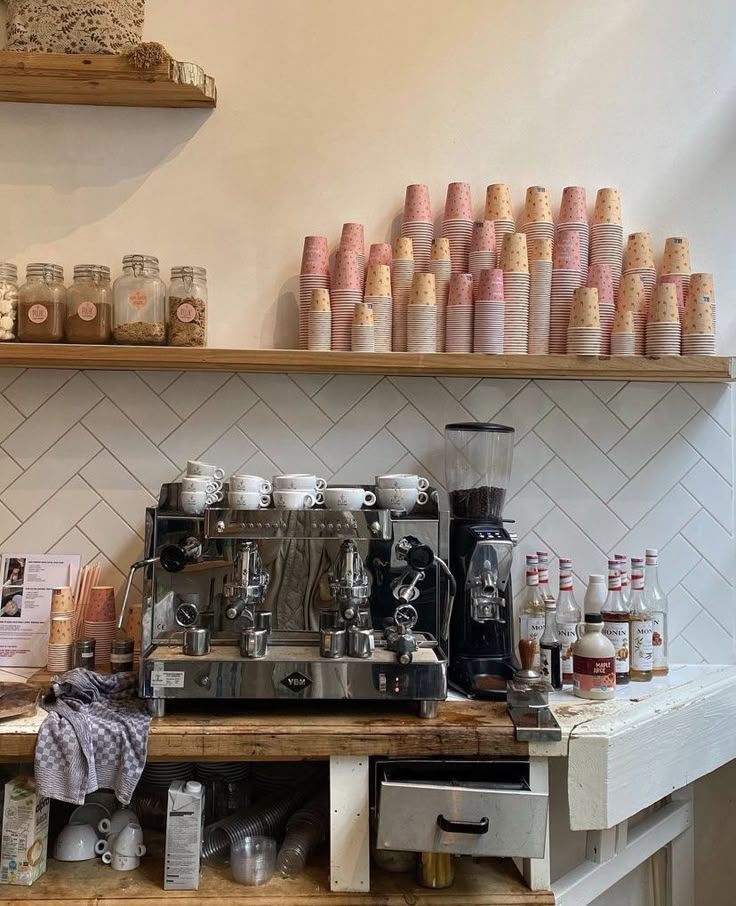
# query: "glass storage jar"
x,y
139,315
42,305
187,321
8,301
89,305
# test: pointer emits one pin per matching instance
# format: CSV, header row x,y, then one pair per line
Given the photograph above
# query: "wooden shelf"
x,y
718,369
110,81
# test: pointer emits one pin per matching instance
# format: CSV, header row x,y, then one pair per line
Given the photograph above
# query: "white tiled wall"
x,y
599,466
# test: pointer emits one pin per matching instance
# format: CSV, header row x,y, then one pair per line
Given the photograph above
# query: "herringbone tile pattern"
x,y
599,467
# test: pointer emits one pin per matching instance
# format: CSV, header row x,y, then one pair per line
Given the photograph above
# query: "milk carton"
x,y
25,833
184,824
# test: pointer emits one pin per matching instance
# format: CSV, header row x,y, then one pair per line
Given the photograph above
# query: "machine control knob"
x,y
405,650
204,681
220,527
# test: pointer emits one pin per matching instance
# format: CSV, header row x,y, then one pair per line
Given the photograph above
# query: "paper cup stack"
x,y
418,225
607,235
500,210
482,250
61,634
664,333
698,327
703,285
441,267
458,225
639,259
489,313
540,291
378,296
515,263
347,292
402,275
459,336
363,337
99,624
538,223
574,219
320,322
677,280
584,332
676,260
314,274
421,322
599,276
380,253
566,278
632,297
353,240
623,335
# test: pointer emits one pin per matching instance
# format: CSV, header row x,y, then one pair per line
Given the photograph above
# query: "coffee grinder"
x,y
478,458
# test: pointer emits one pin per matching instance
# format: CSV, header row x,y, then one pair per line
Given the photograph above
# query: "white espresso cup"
x,y
194,502
119,862
402,481
207,485
247,500
299,481
294,500
348,498
404,499
198,469
251,483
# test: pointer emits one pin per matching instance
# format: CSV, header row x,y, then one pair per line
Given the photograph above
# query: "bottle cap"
x,y
652,552
595,579
593,618
193,786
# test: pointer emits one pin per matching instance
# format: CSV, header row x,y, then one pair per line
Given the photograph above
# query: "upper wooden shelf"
x,y
718,369
110,81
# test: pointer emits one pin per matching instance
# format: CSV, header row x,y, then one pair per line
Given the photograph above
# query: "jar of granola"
x,y
89,305
8,301
187,320
139,304
42,305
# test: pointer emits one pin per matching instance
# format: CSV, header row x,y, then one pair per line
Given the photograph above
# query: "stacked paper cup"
x,y
459,337
623,335
489,313
632,297
314,274
599,276
402,275
606,234
540,290
61,635
515,263
378,296
353,240
458,225
574,218
639,259
500,210
363,331
566,278
676,260
418,225
703,285
99,624
347,292
380,253
538,223
441,267
664,333
678,281
421,322
320,322
584,332
482,250
698,328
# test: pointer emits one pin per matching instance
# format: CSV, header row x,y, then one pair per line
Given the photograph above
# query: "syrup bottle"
x,y
615,615
656,602
550,648
640,626
622,561
568,617
531,618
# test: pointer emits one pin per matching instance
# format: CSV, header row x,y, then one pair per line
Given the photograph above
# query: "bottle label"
x,y
568,637
659,658
38,313
138,299
532,628
186,313
549,659
87,311
641,644
594,674
618,635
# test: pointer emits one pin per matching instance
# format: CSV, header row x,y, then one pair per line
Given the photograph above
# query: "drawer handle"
x,y
463,827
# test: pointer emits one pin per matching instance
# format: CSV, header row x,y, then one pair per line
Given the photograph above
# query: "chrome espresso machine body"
x,y
294,604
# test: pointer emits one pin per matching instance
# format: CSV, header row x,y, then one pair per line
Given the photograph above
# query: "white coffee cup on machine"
x,y
404,499
298,481
400,481
247,500
348,498
294,500
251,483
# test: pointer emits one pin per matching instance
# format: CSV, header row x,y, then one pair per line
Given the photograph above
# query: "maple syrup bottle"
x,y
531,618
615,615
640,626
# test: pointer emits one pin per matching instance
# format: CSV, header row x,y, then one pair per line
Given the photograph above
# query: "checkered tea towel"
x,y
94,737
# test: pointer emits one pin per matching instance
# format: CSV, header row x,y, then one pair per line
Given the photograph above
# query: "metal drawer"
x,y
480,808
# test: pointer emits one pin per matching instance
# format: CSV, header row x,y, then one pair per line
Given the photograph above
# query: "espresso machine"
x,y
478,459
294,604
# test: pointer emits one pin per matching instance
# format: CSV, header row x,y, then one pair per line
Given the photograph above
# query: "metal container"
x,y
196,642
254,643
332,642
83,654
121,655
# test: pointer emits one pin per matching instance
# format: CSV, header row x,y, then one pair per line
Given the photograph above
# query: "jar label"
x,y
659,656
568,637
618,635
138,299
38,313
87,311
186,313
641,644
593,674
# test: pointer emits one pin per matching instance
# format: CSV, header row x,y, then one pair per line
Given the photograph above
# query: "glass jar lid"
x,y
123,646
8,272
141,261
187,270
94,272
46,272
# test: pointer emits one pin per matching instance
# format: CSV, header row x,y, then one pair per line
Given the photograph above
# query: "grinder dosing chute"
x,y
478,457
